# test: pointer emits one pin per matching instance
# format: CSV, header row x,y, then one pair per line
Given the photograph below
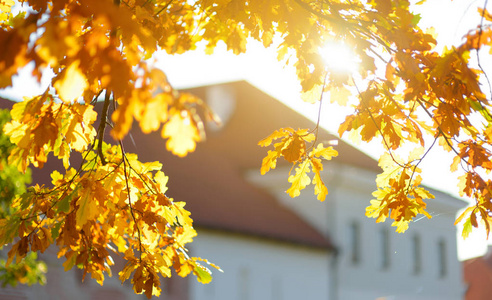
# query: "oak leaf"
x,y
300,180
71,83
181,133
294,148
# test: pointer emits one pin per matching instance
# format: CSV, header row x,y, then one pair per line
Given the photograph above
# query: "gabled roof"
x,y
256,116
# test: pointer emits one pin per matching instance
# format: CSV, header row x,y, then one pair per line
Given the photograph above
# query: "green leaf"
x,y
203,275
64,204
55,230
467,228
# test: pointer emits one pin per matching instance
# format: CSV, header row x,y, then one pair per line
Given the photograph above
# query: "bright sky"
x,y
260,67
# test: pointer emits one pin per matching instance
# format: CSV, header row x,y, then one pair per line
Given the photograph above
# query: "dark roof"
x,y
5,103
211,180
256,116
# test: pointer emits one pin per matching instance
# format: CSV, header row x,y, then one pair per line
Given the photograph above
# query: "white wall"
x,y
256,268
350,190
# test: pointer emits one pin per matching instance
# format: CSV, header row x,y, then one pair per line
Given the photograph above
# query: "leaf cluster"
x,y
293,147
119,207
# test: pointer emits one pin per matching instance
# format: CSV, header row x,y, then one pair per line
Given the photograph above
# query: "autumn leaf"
x,y
182,135
467,229
154,112
313,95
327,153
294,148
203,274
5,9
87,207
340,95
269,161
319,186
71,84
277,134
300,180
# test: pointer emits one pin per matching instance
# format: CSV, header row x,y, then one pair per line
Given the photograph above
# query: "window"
x,y
442,252
277,288
354,236
244,285
222,101
384,242
417,254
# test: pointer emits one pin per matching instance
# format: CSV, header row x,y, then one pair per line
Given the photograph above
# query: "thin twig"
x,y
376,124
418,163
316,129
480,33
129,196
438,126
164,7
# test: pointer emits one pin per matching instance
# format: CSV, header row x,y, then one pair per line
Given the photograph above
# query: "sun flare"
x,y
339,58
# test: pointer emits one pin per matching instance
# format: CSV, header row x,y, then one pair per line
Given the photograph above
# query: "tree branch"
x,y
102,127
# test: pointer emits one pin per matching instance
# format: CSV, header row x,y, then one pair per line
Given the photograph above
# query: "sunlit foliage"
x,y
100,49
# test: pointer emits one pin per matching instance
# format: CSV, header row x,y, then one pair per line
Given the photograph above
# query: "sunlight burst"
x,y
339,58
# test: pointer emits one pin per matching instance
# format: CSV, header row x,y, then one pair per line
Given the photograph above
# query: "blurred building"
x,y
271,246
478,277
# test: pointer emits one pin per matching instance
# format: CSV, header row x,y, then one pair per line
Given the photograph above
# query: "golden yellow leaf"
x,y
71,83
294,148
155,112
182,135
327,153
300,180
313,95
401,226
340,95
283,132
87,206
416,154
5,8
319,186
161,181
465,213
269,161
